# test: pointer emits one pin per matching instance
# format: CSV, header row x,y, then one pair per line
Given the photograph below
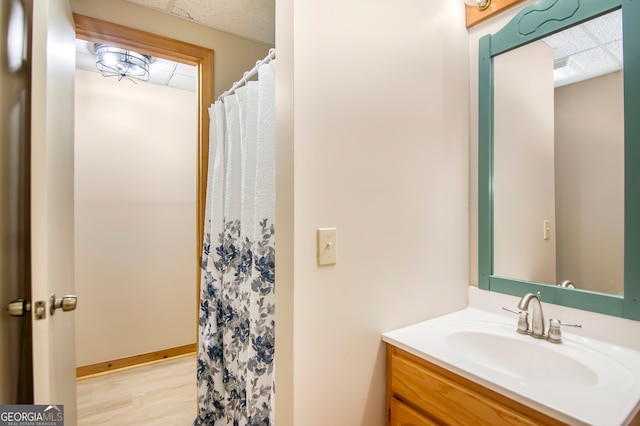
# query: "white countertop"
x,y
611,399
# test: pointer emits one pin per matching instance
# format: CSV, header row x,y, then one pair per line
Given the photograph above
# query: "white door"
x,y
52,134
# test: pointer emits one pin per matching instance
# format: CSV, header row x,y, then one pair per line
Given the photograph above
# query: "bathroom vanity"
x,y
473,367
482,365
422,393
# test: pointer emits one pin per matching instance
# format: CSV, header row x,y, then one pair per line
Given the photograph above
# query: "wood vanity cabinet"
x,y
420,393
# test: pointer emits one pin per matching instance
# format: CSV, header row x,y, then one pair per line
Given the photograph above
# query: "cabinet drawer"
x,y
404,415
445,399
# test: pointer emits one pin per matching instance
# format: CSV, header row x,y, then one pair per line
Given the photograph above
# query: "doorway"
x,y
97,31
134,214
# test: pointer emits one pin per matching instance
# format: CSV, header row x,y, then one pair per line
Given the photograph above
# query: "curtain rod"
x,y
249,74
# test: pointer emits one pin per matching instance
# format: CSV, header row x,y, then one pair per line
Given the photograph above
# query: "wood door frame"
x,y
99,31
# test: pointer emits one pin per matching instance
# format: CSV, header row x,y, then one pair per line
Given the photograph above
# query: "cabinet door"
x,y
403,415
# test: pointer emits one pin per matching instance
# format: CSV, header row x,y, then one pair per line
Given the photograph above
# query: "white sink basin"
x,y
498,347
521,360
580,381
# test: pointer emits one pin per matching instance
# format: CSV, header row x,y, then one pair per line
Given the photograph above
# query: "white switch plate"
x,y
547,229
327,246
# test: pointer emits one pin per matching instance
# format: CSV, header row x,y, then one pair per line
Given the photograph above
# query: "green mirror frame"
x,y
533,23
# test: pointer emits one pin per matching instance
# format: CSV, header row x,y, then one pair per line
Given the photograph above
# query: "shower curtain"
x,y
237,302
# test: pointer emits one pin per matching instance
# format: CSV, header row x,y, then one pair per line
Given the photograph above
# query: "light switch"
x,y
547,229
327,246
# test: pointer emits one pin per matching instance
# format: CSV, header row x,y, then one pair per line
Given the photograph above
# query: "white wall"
x,y
590,183
135,212
233,55
373,139
523,167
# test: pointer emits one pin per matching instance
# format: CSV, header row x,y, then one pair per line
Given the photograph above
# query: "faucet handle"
x,y
555,334
523,320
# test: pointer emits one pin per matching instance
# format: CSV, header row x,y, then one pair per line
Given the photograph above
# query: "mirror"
x,y
558,177
557,149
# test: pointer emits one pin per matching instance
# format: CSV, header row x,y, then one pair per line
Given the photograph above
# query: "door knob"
x,y
67,303
18,308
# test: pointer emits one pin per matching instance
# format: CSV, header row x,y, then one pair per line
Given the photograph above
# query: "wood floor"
x,y
163,393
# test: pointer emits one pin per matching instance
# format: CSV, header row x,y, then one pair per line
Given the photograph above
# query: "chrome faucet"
x,y
537,317
537,320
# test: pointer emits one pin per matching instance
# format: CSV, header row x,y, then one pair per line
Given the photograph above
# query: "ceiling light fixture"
x,y
480,4
121,63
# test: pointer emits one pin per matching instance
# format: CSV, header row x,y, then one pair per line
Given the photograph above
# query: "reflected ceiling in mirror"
x,y
588,50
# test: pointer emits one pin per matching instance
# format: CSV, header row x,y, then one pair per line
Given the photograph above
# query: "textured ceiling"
x,y
251,19
595,46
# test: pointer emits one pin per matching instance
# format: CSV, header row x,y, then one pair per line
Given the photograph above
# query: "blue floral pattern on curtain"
x,y
237,302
